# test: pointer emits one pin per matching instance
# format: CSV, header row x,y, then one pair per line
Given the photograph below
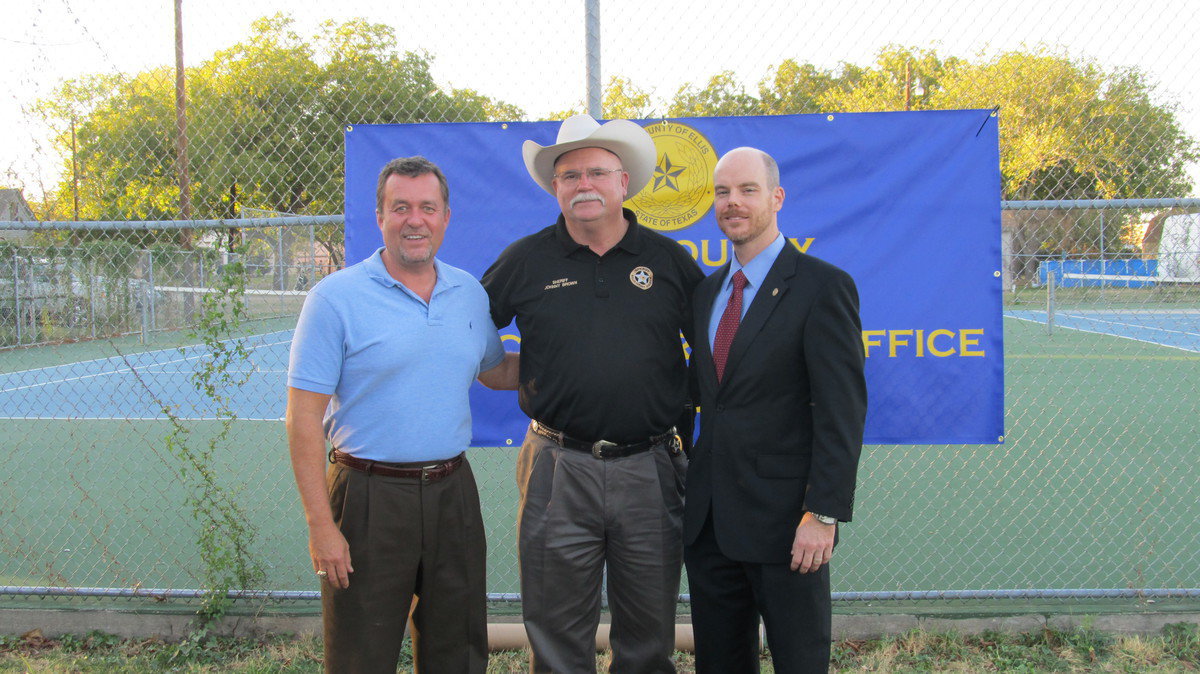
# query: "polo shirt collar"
x,y
631,242
377,271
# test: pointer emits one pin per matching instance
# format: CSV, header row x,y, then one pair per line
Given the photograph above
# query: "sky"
x,y
531,52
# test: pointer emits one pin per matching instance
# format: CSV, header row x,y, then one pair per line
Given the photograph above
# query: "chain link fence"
x,y
102,320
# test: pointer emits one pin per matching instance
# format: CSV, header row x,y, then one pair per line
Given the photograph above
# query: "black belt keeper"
x,y
603,449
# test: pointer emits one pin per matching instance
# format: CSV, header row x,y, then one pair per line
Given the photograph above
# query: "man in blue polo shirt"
x,y
384,354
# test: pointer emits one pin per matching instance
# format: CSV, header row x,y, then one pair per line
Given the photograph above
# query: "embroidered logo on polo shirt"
x,y
560,283
642,277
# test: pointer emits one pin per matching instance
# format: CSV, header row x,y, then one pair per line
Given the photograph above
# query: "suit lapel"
x,y
766,298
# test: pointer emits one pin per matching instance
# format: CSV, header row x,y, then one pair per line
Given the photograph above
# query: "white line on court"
x,y
123,367
1106,334
1127,325
278,333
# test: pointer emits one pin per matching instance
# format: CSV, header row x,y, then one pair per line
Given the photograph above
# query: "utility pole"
x,y
907,85
181,138
74,172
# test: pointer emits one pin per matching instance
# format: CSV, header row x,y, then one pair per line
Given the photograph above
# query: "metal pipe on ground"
x,y
512,637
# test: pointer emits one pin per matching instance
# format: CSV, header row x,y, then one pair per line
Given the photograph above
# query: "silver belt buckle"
x,y
599,446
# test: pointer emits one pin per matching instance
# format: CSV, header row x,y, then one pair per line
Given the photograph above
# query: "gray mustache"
x,y
588,196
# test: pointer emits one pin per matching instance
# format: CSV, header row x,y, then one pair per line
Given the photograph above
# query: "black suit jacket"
x,y
781,434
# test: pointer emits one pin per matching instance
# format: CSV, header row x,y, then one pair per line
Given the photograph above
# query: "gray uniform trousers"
x,y
577,513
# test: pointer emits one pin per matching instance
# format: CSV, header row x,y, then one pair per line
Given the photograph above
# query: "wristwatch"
x,y
825,519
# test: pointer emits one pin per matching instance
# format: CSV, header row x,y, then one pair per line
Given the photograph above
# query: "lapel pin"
x,y
775,292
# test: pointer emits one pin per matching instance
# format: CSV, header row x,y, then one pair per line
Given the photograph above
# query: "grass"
x,y
1176,649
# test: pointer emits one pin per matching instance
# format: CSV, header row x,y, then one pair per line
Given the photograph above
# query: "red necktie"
x,y
728,326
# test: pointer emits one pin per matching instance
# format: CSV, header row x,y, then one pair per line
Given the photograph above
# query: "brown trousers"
x,y
408,540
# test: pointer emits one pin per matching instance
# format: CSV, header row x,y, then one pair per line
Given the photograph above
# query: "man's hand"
x,y
306,443
331,554
813,546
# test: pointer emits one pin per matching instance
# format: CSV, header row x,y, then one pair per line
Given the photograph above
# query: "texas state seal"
x,y
681,191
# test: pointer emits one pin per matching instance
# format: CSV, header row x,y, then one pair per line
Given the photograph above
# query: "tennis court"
x,y
1178,329
1093,488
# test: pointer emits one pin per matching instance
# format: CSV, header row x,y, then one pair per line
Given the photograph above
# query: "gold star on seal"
x,y
666,173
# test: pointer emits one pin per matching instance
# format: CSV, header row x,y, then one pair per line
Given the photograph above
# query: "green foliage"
x,y
266,120
225,536
621,99
624,100
915,651
1183,639
1069,127
267,117
723,95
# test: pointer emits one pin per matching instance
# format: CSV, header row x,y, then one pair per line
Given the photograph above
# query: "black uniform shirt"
x,y
600,351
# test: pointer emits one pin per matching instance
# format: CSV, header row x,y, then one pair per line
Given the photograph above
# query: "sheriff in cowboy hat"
x,y
600,302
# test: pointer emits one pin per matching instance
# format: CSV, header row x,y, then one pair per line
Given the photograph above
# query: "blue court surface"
x,y
1173,328
139,385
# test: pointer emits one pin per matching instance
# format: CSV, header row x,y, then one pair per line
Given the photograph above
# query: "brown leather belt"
x,y
430,473
603,449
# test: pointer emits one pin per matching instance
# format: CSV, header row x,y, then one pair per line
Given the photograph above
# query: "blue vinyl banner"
x,y
907,202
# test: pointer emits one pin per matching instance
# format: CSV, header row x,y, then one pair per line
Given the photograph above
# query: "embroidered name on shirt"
x,y
560,283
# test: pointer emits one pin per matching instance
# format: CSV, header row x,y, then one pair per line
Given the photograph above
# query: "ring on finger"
x,y
323,573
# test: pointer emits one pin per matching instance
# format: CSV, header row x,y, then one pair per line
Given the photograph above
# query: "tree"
x,y
621,99
266,119
724,95
1069,128
796,88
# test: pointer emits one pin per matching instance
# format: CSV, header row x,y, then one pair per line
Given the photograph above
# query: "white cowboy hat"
x,y
623,138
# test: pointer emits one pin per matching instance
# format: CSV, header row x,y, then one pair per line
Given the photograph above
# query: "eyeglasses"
x,y
594,175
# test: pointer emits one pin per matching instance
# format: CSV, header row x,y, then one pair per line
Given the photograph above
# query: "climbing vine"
x,y
225,536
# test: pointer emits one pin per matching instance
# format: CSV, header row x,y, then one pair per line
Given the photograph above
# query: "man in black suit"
x,y
779,367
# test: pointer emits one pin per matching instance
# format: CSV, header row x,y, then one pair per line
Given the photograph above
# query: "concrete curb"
x,y
507,633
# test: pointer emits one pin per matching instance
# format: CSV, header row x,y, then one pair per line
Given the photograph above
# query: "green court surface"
x,y
1094,487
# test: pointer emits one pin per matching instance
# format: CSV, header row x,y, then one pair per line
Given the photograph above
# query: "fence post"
x,y
312,257
91,286
1103,262
1050,303
282,284
17,294
150,284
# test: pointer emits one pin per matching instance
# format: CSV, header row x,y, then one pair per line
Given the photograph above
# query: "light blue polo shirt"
x,y
755,271
398,369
